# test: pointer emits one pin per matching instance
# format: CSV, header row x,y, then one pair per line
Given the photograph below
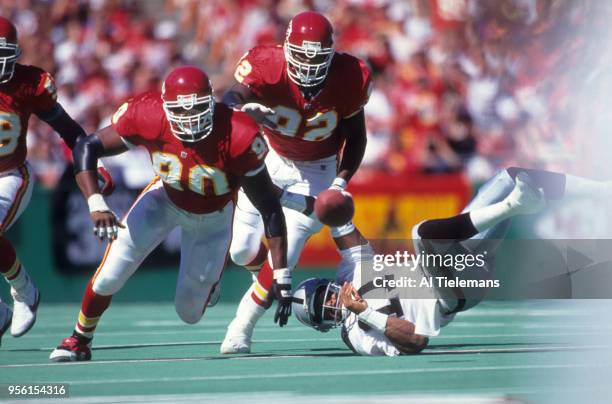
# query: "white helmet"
x,y
310,308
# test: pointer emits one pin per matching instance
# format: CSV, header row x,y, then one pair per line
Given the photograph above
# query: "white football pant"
x,y
15,194
300,177
205,240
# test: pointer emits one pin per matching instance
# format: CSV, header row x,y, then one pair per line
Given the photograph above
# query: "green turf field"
x,y
144,353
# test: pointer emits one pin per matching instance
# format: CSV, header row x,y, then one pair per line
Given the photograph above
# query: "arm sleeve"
x,y
138,120
248,71
250,161
362,96
45,95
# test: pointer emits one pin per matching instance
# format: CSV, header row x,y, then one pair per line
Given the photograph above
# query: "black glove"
x,y
281,289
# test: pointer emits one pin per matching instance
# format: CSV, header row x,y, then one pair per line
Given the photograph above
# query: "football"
x,y
334,207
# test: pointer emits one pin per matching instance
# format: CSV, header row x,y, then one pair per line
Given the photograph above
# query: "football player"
x,y
396,326
24,90
309,99
202,152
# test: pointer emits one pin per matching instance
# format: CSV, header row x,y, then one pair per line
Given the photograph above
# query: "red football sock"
x,y
265,278
92,307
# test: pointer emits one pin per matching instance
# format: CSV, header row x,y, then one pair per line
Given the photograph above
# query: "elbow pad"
x,y
86,153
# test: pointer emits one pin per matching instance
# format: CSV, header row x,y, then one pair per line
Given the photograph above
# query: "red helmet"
x,y
188,103
309,48
9,50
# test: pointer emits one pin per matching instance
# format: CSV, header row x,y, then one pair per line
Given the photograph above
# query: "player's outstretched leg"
x,y
77,347
23,290
252,306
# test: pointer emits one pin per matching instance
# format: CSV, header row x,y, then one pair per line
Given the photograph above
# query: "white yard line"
x,y
342,373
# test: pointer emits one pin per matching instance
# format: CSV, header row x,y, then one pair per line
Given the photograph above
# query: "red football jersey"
x,y
199,177
30,90
307,130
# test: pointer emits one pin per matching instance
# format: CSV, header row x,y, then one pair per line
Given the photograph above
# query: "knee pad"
x,y
244,253
188,313
190,307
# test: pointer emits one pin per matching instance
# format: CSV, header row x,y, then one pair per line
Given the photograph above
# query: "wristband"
x,y
374,319
282,274
96,203
339,183
343,230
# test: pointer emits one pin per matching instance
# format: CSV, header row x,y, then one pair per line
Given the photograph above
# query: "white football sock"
x,y
488,216
20,281
249,312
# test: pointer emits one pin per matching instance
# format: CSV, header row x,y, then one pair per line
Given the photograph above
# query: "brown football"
x,y
334,208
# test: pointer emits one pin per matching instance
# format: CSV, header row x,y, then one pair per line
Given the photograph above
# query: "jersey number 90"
x,y
202,179
10,129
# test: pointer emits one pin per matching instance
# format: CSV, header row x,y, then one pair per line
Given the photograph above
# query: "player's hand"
x,y
281,289
106,224
350,298
260,113
105,181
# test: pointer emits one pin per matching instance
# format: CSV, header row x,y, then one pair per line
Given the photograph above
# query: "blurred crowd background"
x,y
460,85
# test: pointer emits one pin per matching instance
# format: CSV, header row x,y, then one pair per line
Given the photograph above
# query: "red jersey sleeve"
x,y
248,149
257,68
45,95
363,80
140,119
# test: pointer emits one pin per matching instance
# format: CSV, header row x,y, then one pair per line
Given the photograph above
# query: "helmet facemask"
x,y
9,53
190,116
308,64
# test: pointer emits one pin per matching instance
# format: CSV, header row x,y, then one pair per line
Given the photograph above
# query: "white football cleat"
x,y
237,339
5,318
525,199
25,303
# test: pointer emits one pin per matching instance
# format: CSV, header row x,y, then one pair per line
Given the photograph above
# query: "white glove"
x,y
260,113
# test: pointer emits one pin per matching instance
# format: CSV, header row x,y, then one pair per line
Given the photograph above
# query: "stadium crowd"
x,y
459,84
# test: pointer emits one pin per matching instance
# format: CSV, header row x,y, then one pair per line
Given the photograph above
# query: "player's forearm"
x,y
278,251
237,95
401,334
63,124
355,146
85,154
